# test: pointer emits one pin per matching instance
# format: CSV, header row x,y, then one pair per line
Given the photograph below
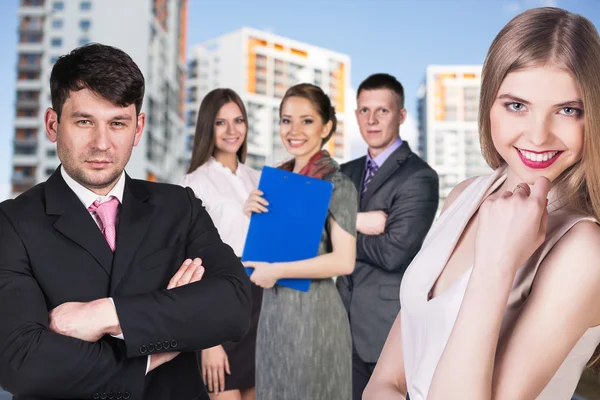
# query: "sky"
x,y
400,37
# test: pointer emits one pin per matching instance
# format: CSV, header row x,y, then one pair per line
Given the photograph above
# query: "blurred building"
x,y
260,67
152,32
448,108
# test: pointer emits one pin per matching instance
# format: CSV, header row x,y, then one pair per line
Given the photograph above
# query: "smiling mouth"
x,y
537,160
296,142
231,140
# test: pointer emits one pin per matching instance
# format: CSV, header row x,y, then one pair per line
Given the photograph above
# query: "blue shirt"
x,y
384,155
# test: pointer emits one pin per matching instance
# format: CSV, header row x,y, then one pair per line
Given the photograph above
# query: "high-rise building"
x,y
260,67
448,135
152,32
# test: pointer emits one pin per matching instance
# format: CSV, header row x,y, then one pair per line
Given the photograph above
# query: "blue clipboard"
x,y
291,229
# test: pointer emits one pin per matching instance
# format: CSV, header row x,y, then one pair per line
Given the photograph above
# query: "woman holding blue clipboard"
x,y
303,345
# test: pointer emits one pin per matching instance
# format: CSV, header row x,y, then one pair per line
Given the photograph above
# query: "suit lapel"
x,y
134,219
75,222
358,175
386,170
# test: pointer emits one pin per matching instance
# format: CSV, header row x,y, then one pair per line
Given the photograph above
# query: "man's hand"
x,y
190,271
85,321
371,223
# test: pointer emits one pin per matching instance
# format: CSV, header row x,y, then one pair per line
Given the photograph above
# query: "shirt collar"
x,y
88,197
384,155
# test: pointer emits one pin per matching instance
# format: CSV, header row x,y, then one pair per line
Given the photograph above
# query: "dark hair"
x,y
204,138
383,81
105,70
319,100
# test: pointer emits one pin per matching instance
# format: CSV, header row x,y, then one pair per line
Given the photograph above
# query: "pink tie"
x,y
107,212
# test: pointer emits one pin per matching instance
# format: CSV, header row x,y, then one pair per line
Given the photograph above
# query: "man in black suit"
x,y
398,199
93,301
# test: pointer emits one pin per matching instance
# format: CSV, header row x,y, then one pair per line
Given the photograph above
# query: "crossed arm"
x,y
406,225
37,361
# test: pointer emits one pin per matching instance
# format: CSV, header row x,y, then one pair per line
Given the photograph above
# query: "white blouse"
x,y
224,193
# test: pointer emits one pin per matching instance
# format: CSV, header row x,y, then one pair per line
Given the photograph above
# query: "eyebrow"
x,y
571,103
223,118
120,117
79,114
302,116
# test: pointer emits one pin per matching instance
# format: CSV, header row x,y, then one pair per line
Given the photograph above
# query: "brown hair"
x,y
204,138
319,100
551,36
105,70
383,81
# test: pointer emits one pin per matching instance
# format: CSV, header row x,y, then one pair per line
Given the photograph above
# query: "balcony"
x,y
30,67
24,176
27,122
25,160
32,3
30,38
28,104
31,25
28,149
26,141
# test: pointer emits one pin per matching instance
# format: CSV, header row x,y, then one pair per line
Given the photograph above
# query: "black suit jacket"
x,y
52,252
406,188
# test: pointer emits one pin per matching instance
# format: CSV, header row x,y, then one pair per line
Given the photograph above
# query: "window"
x,y
58,6
85,5
57,23
56,42
53,60
83,41
51,152
85,24
49,171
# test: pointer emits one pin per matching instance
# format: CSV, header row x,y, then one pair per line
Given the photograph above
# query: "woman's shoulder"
x,y
193,177
339,180
457,191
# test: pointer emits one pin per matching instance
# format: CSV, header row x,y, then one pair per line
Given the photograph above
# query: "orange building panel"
x,y
300,53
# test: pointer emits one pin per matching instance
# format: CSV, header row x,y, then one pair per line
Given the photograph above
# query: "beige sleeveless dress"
x,y
426,325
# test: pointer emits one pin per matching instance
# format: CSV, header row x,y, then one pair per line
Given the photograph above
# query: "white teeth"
x,y
296,142
538,157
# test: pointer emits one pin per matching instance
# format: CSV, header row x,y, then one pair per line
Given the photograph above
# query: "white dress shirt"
x,y
88,198
223,194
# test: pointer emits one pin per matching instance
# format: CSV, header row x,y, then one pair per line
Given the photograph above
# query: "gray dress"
x,y
303,345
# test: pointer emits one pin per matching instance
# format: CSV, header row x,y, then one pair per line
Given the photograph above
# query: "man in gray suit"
x,y
398,199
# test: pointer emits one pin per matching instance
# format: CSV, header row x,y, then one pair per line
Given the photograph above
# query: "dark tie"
x,y
371,170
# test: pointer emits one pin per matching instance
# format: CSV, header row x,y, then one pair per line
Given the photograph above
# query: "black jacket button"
x,y
173,343
143,349
126,395
96,396
166,345
158,346
150,347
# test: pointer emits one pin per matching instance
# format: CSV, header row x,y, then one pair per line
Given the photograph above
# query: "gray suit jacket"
x,y
406,188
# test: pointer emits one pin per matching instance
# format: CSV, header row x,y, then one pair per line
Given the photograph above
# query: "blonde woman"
x,y
503,300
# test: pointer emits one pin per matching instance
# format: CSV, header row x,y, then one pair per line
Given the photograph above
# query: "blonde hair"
x,y
551,36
